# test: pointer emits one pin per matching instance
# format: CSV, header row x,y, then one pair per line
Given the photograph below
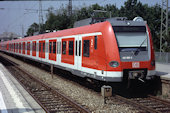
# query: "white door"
x,y
78,52
58,51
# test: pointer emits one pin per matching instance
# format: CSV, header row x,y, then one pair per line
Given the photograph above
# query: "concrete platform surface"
x,y
163,70
13,97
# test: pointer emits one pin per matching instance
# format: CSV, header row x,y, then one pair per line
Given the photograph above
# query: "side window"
x,y
64,47
71,48
95,42
43,46
76,47
19,46
28,46
23,45
50,47
34,46
54,47
79,47
86,48
40,47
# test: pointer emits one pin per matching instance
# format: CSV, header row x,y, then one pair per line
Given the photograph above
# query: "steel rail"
x,y
71,102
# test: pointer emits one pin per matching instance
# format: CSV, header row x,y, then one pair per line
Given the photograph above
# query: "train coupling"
x,y
139,75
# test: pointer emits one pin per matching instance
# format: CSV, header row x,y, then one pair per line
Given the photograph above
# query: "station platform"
x,y
163,70
13,97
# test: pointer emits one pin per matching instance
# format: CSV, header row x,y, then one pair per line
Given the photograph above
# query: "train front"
x,y
134,41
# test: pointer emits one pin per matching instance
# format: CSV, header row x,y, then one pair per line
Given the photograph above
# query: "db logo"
x,y
135,64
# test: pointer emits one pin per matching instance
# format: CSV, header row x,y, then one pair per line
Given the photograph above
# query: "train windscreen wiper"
x,y
138,49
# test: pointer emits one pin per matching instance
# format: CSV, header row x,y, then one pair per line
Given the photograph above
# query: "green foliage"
x,y
33,28
131,9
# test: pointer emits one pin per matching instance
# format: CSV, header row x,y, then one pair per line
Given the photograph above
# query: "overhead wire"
x,y
20,18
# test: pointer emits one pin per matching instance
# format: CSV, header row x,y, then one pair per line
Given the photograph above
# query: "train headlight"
x,y
114,64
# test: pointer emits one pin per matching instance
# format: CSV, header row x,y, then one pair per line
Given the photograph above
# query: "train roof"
x,y
115,21
67,32
89,25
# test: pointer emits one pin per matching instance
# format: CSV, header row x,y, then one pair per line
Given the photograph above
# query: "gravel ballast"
x,y
87,97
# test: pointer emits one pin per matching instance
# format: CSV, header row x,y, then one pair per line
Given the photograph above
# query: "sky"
x,y
16,16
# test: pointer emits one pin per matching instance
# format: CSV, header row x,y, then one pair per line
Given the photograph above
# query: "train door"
x,y
52,49
28,48
78,52
23,48
42,49
58,50
14,47
20,47
34,48
68,51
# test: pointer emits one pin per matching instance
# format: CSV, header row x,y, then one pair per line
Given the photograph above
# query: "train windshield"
x,y
131,37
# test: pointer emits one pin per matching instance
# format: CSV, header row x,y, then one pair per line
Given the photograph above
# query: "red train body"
x,y
106,51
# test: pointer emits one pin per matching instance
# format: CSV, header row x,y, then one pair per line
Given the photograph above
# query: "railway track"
x,y
149,104
49,98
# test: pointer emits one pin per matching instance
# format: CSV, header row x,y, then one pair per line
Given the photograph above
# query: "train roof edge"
x,y
115,21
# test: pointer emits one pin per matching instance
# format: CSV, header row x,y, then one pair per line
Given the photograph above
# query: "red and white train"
x,y
106,51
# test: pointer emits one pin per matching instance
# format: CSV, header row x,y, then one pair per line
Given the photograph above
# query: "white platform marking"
x,y
13,94
2,105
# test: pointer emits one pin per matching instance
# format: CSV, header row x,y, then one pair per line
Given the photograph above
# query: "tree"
x,y
132,8
32,29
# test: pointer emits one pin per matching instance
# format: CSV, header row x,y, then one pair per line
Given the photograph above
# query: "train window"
x,y
79,47
23,45
64,47
76,48
35,44
28,46
43,46
32,46
19,46
50,47
40,47
95,42
57,47
86,48
71,49
54,47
